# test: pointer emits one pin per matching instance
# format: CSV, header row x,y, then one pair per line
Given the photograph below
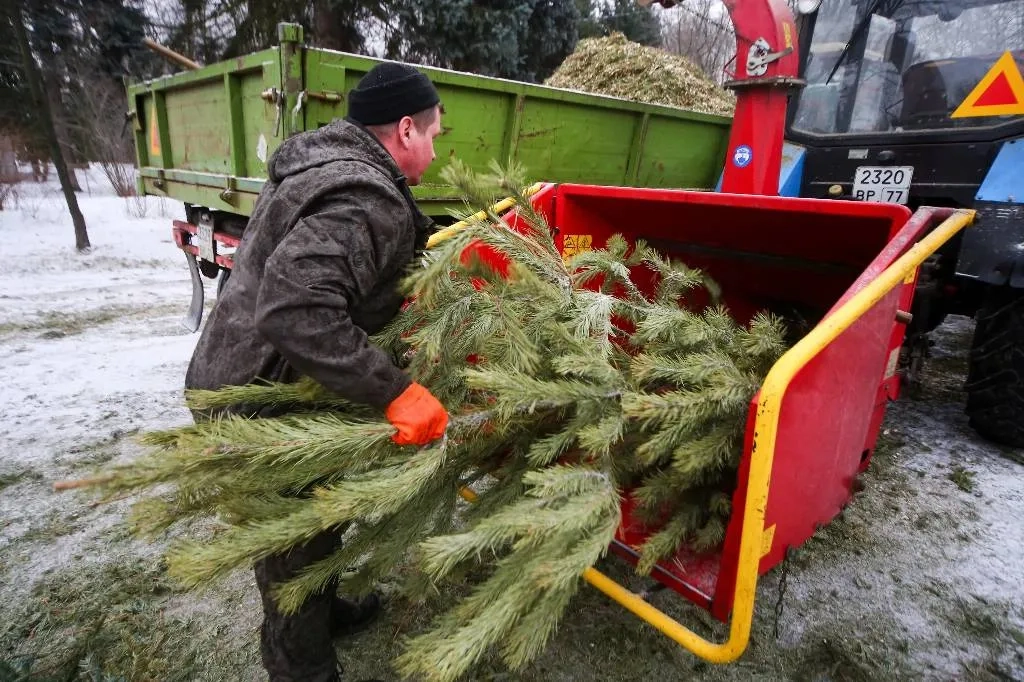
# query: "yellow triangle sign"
x,y
1000,92
154,132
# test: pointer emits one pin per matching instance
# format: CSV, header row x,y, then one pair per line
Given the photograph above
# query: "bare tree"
x,y
702,32
8,156
101,105
35,82
54,65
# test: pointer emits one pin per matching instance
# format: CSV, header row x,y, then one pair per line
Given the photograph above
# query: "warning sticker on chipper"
x,y
576,243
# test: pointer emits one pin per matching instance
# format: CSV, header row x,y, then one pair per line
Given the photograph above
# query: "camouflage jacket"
x,y
331,235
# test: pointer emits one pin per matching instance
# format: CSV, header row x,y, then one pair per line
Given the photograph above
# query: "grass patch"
x,y
945,522
990,670
843,659
117,263
96,453
106,621
57,324
963,478
988,625
952,367
986,622
887,448
52,526
945,369
11,478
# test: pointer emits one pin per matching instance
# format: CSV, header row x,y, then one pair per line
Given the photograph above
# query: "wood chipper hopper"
x,y
849,268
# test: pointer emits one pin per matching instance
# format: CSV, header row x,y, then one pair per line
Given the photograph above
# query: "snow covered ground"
x,y
921,579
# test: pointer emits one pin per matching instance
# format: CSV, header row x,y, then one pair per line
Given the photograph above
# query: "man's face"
x,y
417,147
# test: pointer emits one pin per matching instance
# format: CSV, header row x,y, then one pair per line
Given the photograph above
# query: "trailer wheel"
x,y
995,379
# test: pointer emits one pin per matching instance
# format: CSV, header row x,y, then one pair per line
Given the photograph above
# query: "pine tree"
x,y
580,390
520,39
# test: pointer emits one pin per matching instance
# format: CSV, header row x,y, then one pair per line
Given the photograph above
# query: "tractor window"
x,y
899,65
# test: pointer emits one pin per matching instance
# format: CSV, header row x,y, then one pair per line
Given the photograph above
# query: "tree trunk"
x,y
60,124
334,26
8,159
35,84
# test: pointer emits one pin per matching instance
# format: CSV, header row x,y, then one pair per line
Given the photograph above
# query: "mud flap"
x,y
194,316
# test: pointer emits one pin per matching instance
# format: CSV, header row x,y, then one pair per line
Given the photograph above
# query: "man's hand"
x,y
419,417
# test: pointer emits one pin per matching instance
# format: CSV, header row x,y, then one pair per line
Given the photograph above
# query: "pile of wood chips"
x,y
618,67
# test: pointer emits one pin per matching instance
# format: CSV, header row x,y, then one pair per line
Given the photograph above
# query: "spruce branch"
x,y
667,541
572,515
303,393
194,563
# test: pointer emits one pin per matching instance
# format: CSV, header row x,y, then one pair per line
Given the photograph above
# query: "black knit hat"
x,y
388,92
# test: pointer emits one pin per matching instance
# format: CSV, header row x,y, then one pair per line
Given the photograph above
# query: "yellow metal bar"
x,y
503,205
765,430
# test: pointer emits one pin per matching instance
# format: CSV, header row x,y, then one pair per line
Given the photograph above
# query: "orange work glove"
x,y
419,417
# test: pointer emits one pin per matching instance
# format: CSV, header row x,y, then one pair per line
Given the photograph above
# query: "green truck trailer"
x,y
203,136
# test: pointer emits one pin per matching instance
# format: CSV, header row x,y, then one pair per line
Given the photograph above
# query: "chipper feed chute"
x,y
846,268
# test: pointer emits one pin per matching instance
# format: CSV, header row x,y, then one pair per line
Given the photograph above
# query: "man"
x,y
331,235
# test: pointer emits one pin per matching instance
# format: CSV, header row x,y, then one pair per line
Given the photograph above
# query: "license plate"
x,y
888,184
204,240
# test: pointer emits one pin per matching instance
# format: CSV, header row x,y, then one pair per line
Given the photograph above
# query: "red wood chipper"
x,y
850,266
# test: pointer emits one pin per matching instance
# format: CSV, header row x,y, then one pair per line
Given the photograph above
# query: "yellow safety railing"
x,y
773,390
503,205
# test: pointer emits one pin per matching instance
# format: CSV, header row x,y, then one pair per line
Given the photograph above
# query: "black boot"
x,y
297,646
349,617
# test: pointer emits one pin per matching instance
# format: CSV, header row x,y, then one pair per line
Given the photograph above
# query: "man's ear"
x,y
405,130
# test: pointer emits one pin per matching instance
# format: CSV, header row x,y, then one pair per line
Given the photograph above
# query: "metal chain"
x,y
783,583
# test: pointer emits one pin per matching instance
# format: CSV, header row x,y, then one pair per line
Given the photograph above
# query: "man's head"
x,y
401,107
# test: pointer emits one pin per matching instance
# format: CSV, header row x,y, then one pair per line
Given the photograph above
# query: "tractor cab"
x,y
886,113
915,102
897,71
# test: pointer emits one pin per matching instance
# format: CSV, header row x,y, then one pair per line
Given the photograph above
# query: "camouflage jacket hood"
x,y
339,141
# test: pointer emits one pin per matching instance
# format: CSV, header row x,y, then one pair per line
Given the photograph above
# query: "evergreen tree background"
x,y
518,39
569,388
79,45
